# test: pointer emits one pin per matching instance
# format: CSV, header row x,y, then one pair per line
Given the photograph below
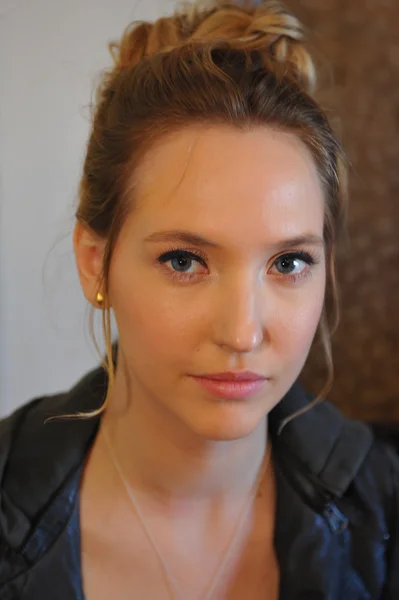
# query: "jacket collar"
x,y
329,446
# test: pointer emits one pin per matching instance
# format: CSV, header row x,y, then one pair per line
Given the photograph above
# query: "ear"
x,y
89,253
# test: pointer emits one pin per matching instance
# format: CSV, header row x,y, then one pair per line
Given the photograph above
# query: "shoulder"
x,y
342,457
31,433
372,505
24,450
20,439
377,482
38,455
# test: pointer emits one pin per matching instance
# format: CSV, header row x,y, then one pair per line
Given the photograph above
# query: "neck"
x,y
162,456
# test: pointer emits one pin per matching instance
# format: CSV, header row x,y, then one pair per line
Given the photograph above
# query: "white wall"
x,y
50,54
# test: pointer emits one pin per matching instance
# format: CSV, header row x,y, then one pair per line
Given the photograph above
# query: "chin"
x,y
226,423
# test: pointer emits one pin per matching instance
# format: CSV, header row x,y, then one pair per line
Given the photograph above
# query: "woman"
x,y
196,467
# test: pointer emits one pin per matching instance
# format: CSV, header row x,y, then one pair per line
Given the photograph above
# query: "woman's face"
x,y
220,267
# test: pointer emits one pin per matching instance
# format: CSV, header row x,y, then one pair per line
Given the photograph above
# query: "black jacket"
x,y
337,531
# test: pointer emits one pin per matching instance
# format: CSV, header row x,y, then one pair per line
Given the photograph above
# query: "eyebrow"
x,y
193,239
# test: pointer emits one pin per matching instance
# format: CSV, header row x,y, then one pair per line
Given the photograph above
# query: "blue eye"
x,y
182,261
287,265
293,264
181,264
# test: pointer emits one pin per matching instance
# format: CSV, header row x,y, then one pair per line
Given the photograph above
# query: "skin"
x,y
252,195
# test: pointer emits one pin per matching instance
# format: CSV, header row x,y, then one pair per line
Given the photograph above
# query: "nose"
x,y
239,324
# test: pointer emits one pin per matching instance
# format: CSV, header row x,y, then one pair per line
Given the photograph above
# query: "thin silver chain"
x,y
173,588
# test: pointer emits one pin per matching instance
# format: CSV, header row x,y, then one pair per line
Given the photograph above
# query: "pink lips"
x,y
232,385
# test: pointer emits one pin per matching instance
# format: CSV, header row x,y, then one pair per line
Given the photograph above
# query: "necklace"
x,y
171,583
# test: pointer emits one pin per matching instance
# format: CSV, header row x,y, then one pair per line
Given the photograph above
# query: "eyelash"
x,y
194,254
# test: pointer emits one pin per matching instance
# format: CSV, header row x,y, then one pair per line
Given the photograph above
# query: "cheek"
x,y
294,328
153,322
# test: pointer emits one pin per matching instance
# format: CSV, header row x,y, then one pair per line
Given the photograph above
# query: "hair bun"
x,y
265,27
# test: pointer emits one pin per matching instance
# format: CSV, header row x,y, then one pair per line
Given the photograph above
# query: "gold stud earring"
x,y
99,298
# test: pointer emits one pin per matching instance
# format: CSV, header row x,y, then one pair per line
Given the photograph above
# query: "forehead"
x,y
225,182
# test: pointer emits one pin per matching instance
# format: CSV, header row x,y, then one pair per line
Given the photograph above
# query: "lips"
x,y
232,385
234,376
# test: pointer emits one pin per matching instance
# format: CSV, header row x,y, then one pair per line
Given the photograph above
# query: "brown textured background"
x,y
357,43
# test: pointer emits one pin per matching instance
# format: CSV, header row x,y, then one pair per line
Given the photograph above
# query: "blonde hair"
x,y
212,62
